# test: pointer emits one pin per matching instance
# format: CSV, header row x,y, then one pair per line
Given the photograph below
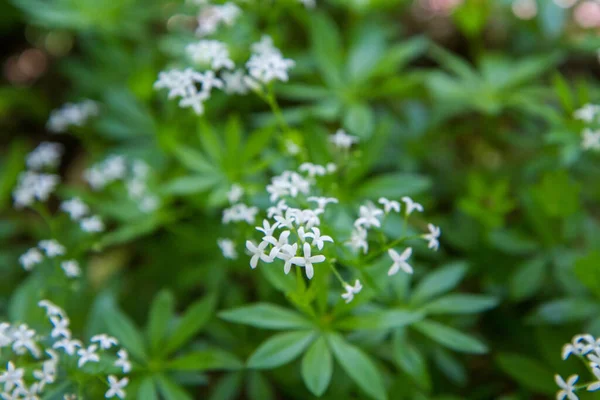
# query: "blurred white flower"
x,y
45,155
432,237
116,387
210,52
227,247
567,388
30,258
87,355
104,341
235,193
342,140
400,261
71,114
75,208
71,268
351,291
123,361
34,186
52,248
411,205
92,224
234,82
389,205
590,140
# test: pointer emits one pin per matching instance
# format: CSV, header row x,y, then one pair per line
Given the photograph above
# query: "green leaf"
x,y
410,360
210,141
267,316
558,194
170,390
389,319
159,318
365,52
195,317
191,184
317,367
147,390
124,329
280,349
193,159
397,56
450,337
257,143
438,282
211,359
358,366
563,311
259,387
327,47
512,242
394,186
529,372
587,269
527,279
359,120
460,304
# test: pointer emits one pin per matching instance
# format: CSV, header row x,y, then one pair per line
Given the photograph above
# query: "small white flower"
x,y
136,188
68,345
6,338
268,66
317,239
258,252
104,341
195,101
400,261
235,193
590,140
51,309
267,229
33,186
312,169
287,220
47,375
149,204
389,205
61,327
240,212
592,387
368,216
277,209
30,258
211,52
358,240
587,113
87,355
45,155
71,268
331,168
432,237
52,248
123,361
567,387
287,253
75,208
342,140
116,387
234,82
92,224
71,114
323,201
12,377
23,340
308,260
411,205
227,247
278,244
351,291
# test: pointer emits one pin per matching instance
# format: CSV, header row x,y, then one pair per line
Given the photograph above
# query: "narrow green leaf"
x,y
527,279
317,367
450,337
394,186
170,390
410,360
210,141
124,329
280,349
566,310
460,304
438,282
529,372
358,366
193,159
192,321
147,390
211,359
159,318
191,184
326,47
267,316
380,320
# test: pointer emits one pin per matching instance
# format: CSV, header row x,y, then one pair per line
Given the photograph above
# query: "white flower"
x,y
287,253
268,66
592,387
235,193
312,169
277,209
210,52
351,291
23,339
317,239
240,212
590,140
432,237
6,338
227,247
75,208
331,168
71,268
71,114
567,387
368,216
12,377
33,186
195,101
47,374
322,201
411,205
45,155
291,147
587,113
400,261
287,220
234,82
68,345
104,341
30,393
258,252
267,229
136,188
92,224
123,361
87,355
149,204
30,258
51,308
52,248
116,387
358,240
342,140
278,244
389,205
61,327
228,13
115,167
308,260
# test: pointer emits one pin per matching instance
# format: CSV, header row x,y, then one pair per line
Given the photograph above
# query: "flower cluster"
x,y
48,250
135,176
77,210
53,351
210,17
590,138
71,114
587,348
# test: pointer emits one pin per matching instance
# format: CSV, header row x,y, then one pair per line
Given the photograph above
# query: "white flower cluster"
x,y
31,380
342,140
587,348
69,114
210,53
267,64
34,185
115,168
211,17
77,209
184,84
590,138
49,249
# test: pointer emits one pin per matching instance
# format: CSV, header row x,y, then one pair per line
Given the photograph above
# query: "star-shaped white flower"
x,y
87,355
567,388
104,341
68,345
11,377
400,261
318,239
308,260
592,387
116,387
351,291
123,361
432,237
258,252
411,205
389,205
